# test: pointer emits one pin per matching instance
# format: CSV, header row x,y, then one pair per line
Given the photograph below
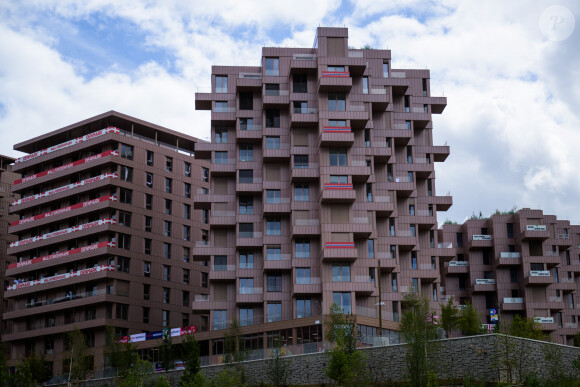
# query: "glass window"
x,y
246,124
338,157
272,118
220,262
187,169
300,107
337,123
338,179
187,211
204,174
246,317
342,299
221,84
149,158
126,173
394,281
303,307
301,193
124,241
302,248
126,152
371,248
146,269
124,219
303,275
221,135
299,83
166,273
186,233
221,157
246,176
273,196
166,228
246,101
274,282
300,161
415,284
246,286
272,89
168,164
246,205
340,273
365,85
385,69
187,190
246,259
274,311
125,196
147,246
273,226
273,253
272,67
148,180
186,273
219,319
246,152
167,250
168,185
336,101
335,68
246,230
272,142
221,106
413,260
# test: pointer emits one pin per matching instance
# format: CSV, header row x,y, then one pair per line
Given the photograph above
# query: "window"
x,y
302,248
185,298
166,228
335,68
166,273
246,286
221,84
168,164
396,311
246,205
204,280
126,152
274,282
274,311
273,253
337,123
365,85
300,161
303,307
385,69
186,254
486,256
220,262
433,263
272,89
369,192
273,196
342,299
246,176
204,216
340,273
187,211
168,185
187,169
221,106
124,219
246,152
424,84
186,233
204,174
126,173
167,250
146,292
273,226
510,230
394,281
300,107
407,104
148,180
272,118
145,315
272,142
338,157
371,248
147,246
165,318
299,83
124,241
149,158
148,223
247,101
146,269
246,317
221,135
415,284
221,157
413,230
338,179
122,312
303,275
246,124
125,196
336,101
272,67
246,259
148,202
301,192
246,230
187,190
168,205
123,264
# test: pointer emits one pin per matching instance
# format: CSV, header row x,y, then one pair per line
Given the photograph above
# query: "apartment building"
x,y
524,263
103,231
322,185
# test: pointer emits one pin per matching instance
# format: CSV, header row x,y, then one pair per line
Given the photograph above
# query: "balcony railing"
x,y
304,57
551,254
245,291
250,75
223,267
445,245
308,110
398,74
355,54
402,126
510,254
249,234
513,300
308,281
201,298
539,273
276,93
56,300
224,109
485,281
458,263
481,237
380,91
250,127
536,227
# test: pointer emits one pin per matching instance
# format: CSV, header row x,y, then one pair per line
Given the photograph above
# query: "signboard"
x,y
539,273
67,253
482,237
544,320
90,136
510,255
513,300
174,332
64,231
459,263
59,277
493,317
536,227
485,281
65,209
65,188
66,166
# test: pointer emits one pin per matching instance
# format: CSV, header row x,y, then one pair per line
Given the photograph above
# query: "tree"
x,y
278,366
233,346
78,357
527,328
470,321
38,367
554,365
4,376
190,357
421,337
346,365
166,352
137,376
449,317
121,356
23,376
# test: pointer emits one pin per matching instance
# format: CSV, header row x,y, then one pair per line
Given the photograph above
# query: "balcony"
x,y
306,227
281,207
378,97
484,285
380,151
438,104
223,167
301,63
387,262
305,173
509,259
202,200
401,132
275,98
382,205
338,193
222,273
443,203
538,278
457,267
277,154
249,239
546,323
513,304
336,136
339,251
563,240
247,81
362,227
334,81
311,285
356,112
203,99
535,231
480,241
250,296
249,185
555,304
278,262
303,116
223,114
551,258
249,133
566,285
218,219
201,303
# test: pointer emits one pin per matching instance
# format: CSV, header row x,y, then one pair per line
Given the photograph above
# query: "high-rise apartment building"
x,y
103,236
524,263
322,184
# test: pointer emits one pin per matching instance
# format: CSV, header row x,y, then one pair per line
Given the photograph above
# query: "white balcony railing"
x,y
513,300
506,254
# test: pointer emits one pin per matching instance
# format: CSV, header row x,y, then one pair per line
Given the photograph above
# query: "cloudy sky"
x,y
510,72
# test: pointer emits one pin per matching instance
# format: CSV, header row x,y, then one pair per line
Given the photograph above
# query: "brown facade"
x,y
523,263
104,231
322,173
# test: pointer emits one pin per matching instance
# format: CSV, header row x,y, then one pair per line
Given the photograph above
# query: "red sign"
x,y
66,166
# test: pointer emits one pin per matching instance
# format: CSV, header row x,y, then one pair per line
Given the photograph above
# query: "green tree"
x,y
554,365
421,337
137,376
229,377
23,376
4,376
346,365
449,317
190,357
121,356
78,357
233,345
166,351
470,321
38,367
278,366
526,327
